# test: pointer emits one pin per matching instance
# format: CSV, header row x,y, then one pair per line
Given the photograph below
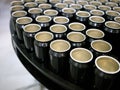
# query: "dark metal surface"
x,y
37,68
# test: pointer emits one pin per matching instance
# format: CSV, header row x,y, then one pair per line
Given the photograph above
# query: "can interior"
x,y
58,28
95,33
107,64
81,55
60,46
76,37
77,26
44,36
101,46
24,20
32,28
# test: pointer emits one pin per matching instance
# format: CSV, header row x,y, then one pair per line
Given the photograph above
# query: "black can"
x,y
116,9
106,71
26,1
97,13
29,5
77,7
81,69
69,2
83,16
59,56
45,6
34,12
100,47
43,20
41,1
111,4
77,39
13,3
54,2
94,34
28,35
112,31
61,20
60,6
20,23
96,22
51,12
117,19
112,27
104,8
76,27
89,7
59,31
17,14
16,8
41,45
69,12
110,14
81,2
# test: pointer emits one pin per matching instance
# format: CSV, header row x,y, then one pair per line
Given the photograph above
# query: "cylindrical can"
x,y
29,5
42,45
96,22
100,47
76,39
59,31
77,27
106,71
28,35
81,69
20,23
61,20
59,56
110,14
17,14
34,12
43,20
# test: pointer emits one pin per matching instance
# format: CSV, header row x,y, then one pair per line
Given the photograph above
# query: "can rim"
x,y
30,3
80,6
102,13
59,40
11,8
11,3
95,2
84,37
56,12
115,19
50,6
106,24
30,25
36,9
79,60
99,7
24,18
105,70
19,11
43,16
41,32
58,25
103,20
84,27
94,29
54,19
103,42
61,4
68,9
83,12
112,11
90,5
